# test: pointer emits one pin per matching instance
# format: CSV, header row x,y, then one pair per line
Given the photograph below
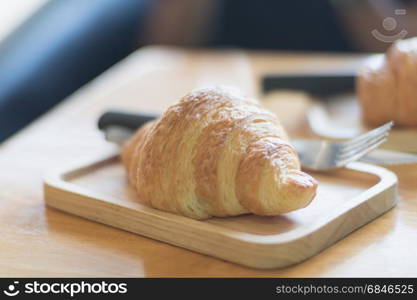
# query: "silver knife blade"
x,y
388,157
117,134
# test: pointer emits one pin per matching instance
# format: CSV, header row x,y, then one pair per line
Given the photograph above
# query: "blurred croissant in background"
x,y
387,86
217,153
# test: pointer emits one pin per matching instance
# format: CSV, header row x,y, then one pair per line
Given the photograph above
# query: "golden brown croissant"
x,y
217,153
387,86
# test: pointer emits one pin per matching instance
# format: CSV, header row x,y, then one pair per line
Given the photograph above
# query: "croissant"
x,y
387,86
217,153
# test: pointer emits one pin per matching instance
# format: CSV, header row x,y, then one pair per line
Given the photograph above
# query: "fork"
x,y
314,154
320,155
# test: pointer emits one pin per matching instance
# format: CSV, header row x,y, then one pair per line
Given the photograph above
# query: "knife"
x,y
119,126
319,85
388,157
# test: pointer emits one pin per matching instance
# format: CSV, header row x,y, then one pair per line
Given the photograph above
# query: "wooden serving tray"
x,y
346,200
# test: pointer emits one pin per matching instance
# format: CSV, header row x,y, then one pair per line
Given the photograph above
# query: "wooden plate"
x,y
346,200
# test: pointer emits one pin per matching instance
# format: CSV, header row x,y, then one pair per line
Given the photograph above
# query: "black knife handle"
x,y
316,84
124,119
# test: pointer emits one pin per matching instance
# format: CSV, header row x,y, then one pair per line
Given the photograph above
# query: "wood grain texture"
x,y
39,241
346,200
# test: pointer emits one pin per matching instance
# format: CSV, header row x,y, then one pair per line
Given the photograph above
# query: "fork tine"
x,y
348,151
359,154
371,134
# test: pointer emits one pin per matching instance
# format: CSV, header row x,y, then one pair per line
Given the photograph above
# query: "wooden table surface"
x,y
39,241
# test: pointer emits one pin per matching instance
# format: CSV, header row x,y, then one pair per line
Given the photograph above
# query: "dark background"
x,y
67,43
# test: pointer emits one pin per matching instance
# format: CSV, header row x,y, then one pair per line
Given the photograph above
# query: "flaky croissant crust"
x,y
217,153
387,86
